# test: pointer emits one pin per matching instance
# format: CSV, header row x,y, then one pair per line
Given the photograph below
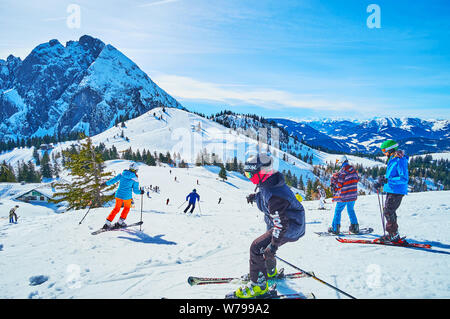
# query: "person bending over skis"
x,y
128,184
395,184
284,217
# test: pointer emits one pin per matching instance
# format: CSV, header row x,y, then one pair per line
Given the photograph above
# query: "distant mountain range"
x,y
85,85
415,136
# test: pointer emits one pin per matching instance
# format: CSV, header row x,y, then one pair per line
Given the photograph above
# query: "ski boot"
x,y
277,274
120,223
334,231
107,225
392,238
354,228
252,290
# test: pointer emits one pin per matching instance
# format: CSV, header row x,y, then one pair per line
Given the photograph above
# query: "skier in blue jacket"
x,y
395,184
128,184
192,197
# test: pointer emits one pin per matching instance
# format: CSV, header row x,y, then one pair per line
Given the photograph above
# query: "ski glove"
x,y
382,180
251,198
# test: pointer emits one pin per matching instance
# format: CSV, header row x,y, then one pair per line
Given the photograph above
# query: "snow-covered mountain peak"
x,y
85,85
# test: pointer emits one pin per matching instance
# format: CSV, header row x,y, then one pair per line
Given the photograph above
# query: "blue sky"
x,y
296,59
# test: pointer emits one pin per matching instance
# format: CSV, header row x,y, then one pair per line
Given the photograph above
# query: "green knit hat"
x,y
389,145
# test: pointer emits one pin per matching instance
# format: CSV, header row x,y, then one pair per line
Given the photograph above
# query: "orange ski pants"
x,y
126,208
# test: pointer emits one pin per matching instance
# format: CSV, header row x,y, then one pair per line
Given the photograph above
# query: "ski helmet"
x,y
342,160
389,145
133,167
255,164
194,190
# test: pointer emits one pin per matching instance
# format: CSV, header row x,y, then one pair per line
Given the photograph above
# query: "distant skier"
x,y
167,202
13,215
192,197
284,217
345,184
322,196
395,184
220,199
128,184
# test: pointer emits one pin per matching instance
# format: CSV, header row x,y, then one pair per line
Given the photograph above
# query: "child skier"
x,y
395,184
192,197
128,184
345,184
284,217
322,195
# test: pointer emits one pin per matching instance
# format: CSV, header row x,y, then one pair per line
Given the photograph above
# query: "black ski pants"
x,y
391,205
189,206
257,261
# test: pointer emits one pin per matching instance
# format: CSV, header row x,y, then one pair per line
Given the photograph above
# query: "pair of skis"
x,y
364,231
272,293
378,242
102,230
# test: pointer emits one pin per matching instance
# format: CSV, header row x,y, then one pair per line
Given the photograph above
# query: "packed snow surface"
x,y
50,255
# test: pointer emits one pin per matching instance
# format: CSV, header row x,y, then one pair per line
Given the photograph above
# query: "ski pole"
x,y
85,214
199,207
381,211
182,204
142,201
314,277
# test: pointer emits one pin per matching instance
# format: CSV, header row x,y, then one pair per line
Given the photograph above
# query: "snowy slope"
x,y
178,131
173,133
157,261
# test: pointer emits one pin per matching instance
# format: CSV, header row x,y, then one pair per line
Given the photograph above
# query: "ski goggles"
x,y
249,175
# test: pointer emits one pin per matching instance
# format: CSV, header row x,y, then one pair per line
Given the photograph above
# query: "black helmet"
x,y
194,190
255,163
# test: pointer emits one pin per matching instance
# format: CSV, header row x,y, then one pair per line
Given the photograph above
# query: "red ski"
x,y
377,242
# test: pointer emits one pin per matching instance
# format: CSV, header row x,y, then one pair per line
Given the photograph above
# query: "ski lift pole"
x,y
318,279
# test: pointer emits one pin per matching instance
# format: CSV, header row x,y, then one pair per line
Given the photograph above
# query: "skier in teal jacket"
x,y
395,184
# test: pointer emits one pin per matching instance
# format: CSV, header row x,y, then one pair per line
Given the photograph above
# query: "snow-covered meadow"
x,y
50,255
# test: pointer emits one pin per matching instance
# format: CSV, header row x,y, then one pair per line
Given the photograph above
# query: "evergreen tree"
x,y
7,173
86,168
223,173
46,169
36,156
309,190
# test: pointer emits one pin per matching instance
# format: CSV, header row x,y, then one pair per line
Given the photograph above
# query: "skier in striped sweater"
x,y
345,184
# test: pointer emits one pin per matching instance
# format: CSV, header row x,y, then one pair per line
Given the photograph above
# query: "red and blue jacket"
x,y
345,183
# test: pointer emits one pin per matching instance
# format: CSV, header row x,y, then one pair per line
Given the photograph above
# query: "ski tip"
x,y
190,280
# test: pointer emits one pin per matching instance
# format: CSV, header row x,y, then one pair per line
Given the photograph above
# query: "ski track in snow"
x,y
156,262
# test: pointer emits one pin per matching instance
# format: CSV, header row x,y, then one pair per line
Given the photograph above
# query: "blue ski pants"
x,y
338,211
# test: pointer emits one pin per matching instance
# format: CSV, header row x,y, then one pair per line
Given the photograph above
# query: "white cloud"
x,y
157,3
186,88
